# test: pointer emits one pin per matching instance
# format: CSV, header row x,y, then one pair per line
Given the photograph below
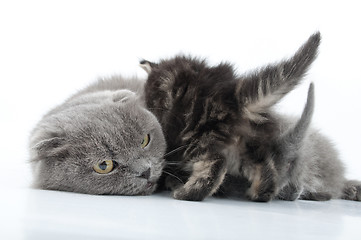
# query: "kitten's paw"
x,y
182,193
261,191
352,190
291,197
289,193
316,196
264,197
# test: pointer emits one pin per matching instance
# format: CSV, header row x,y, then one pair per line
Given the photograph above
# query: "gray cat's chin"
x,y
141,189
150,188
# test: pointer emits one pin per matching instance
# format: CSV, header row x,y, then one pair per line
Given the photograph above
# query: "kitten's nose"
x,y
145,174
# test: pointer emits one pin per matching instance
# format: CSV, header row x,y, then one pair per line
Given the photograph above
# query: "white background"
x,y
50,49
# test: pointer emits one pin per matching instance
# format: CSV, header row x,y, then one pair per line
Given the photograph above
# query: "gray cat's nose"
x,y
145,174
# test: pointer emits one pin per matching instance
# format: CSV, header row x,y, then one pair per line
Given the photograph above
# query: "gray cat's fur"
x,y
105,121
227,139
305,164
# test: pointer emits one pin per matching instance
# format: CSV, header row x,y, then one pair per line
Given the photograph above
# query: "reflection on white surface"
x,y
39,214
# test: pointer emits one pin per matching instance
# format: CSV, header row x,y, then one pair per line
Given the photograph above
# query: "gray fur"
x,y
303,163
105,121
306,163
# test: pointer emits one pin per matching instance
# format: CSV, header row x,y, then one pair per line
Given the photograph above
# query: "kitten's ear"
x,y
123,96
292,140
147,66
52,147
264,88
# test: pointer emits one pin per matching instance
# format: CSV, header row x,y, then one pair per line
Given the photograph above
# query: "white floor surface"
x,y
37,214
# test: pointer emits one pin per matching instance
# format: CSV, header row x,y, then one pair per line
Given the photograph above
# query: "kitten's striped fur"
x,y
227,136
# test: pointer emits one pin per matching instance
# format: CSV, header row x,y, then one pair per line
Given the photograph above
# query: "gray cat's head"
x,y
114,146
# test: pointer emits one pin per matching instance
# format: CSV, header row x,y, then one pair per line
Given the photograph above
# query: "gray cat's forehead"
x,y
107,120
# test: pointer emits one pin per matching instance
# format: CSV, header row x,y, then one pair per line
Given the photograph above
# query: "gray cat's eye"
x,y
104,167
145,141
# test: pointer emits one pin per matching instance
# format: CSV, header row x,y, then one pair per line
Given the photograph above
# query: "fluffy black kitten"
x,y
224,133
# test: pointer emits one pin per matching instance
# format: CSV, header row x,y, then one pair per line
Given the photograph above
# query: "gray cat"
x,y
227,140
101,140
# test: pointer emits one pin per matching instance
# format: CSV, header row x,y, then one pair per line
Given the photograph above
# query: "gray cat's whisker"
x,y
176,150
173,163
172,175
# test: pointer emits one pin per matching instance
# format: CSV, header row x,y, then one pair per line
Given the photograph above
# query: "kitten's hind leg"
x,y
352,190
207,175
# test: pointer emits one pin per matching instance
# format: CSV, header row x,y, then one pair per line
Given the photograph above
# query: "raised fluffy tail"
x,y
288,145
263,88
293,137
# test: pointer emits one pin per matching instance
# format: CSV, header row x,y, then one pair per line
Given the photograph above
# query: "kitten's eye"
x,y
145,141
104,167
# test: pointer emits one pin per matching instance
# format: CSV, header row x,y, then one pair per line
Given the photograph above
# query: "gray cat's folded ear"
x,y
123,96
262,89
147,66
51,147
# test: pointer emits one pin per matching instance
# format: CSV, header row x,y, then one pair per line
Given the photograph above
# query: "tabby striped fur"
x,y
221,134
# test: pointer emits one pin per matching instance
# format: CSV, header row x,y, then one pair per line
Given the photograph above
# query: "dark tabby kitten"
x,y
226,139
